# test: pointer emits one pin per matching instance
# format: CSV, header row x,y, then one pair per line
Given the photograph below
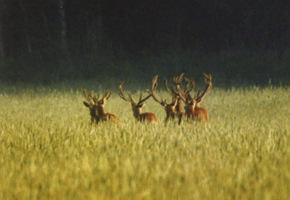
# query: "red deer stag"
x,y
97,110
137,107
169,108
175,95
193,111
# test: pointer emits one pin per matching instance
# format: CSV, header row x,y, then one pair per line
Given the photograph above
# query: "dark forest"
x,y
240,42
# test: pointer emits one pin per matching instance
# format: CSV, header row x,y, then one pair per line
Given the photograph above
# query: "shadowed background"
x,y
240,42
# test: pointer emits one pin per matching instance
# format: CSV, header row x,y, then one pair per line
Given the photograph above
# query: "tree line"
x,y
59,29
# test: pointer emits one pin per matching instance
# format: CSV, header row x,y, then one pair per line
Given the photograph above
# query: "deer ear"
x,y
87,104
142,105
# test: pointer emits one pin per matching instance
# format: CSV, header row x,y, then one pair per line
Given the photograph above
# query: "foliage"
x,y
49,150
138,26
231,67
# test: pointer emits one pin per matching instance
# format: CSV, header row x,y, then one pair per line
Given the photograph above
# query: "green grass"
x,y
49,150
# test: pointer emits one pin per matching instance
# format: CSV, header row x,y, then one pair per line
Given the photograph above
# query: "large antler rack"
x,y
130,99
88,97
208,82
177,81
154,85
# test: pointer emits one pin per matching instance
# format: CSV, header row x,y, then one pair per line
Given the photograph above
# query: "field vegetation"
x,y
49,150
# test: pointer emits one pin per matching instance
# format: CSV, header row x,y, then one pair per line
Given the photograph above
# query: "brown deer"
x,y
169,107
175,95
193,111
97,110
137,107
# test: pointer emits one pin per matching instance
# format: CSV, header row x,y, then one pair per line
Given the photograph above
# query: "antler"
x,y
167,89
95,99
122,95
186,86
153,88
108,94
176,80
88,97
185,96
180,93
208,82
142,100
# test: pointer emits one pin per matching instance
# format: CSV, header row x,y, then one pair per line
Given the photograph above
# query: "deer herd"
x,y
173,109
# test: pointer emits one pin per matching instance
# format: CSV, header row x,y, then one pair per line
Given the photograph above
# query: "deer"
x,y
137,107
193,111
175,95
97,110
169,107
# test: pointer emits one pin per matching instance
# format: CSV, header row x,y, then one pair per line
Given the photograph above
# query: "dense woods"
x,y
73,37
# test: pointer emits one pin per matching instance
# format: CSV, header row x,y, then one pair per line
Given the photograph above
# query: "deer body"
x,y
106,116
142,117
196,113
200,114
149,117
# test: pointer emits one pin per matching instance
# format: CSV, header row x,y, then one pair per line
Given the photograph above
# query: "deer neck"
x,y
93,112
170,109
197,105
101,110
136,112
190,109
178,107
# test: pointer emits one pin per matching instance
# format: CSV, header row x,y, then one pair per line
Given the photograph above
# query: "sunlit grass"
x,y
49,150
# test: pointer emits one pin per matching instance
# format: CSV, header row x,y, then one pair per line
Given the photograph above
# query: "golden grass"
x,y
49,150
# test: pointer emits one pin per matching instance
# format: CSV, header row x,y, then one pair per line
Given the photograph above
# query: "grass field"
x,y
49,150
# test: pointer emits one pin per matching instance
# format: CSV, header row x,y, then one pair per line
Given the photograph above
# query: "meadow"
x,y
49,150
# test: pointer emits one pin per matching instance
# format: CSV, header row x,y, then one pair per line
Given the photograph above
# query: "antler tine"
x,y
179,78
154,82
95,99
198,93
154,85
140,97
208,82
122,95
177,81
187,84
108,94
207,79
142,100
87,97
131,99
167,89
180,93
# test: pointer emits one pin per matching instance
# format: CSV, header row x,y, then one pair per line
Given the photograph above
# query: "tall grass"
x,y
49,150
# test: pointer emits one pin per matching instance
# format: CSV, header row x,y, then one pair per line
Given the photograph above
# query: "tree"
x,y
27,36
2,53
63,26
